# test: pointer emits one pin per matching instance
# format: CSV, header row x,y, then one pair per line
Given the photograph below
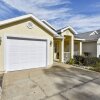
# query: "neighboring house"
x,y
91,45
25,42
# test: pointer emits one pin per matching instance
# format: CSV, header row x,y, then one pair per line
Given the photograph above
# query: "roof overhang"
x,y
59,37
90,40
78,39
69,27
47,23
12,20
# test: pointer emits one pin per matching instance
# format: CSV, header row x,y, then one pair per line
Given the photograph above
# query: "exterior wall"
x,y
20,29
67,46
77,47
90,47
1,54
68,33
98,48
57,49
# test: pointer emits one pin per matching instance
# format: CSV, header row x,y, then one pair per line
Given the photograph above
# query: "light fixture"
x,y
50,43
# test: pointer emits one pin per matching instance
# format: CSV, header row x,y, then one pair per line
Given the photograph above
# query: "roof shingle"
x,y
88,36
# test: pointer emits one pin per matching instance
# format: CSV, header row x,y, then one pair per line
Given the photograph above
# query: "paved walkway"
x,y
60,82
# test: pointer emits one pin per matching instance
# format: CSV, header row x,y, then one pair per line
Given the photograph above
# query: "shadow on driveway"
x,y
55,83
76,84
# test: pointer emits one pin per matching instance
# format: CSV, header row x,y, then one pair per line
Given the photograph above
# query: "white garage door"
x,y
25,53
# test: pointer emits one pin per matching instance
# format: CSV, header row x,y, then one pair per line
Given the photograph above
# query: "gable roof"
x,y
90,36
62,30
48,24
12,20
74,32
66,28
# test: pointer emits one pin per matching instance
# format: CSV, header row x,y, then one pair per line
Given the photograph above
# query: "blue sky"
x,y
83,15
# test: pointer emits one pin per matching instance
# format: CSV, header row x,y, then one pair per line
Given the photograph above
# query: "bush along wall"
x,y
87,61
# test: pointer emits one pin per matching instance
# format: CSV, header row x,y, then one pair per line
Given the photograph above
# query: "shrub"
x,y
96,67
86,61
94,62
71,61
79,60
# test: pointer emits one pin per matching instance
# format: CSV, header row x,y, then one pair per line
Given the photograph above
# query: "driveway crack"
x,y
37,85
66,90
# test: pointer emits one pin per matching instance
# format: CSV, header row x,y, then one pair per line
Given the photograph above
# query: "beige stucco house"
x,y
27,42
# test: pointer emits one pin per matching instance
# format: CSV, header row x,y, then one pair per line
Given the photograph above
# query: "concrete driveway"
x,y
61,82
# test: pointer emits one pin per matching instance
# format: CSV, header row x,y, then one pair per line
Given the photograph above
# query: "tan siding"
x,y
90,47
67,32
21,29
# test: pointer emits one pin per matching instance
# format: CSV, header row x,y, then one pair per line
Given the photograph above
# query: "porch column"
x,y
80,48
72,47
62,51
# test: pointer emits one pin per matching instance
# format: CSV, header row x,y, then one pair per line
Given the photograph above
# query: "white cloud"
x,y
85,23
96,5
58,17
80,22
37,8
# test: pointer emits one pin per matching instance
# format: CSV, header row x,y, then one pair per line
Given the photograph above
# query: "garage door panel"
x,y
25,54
